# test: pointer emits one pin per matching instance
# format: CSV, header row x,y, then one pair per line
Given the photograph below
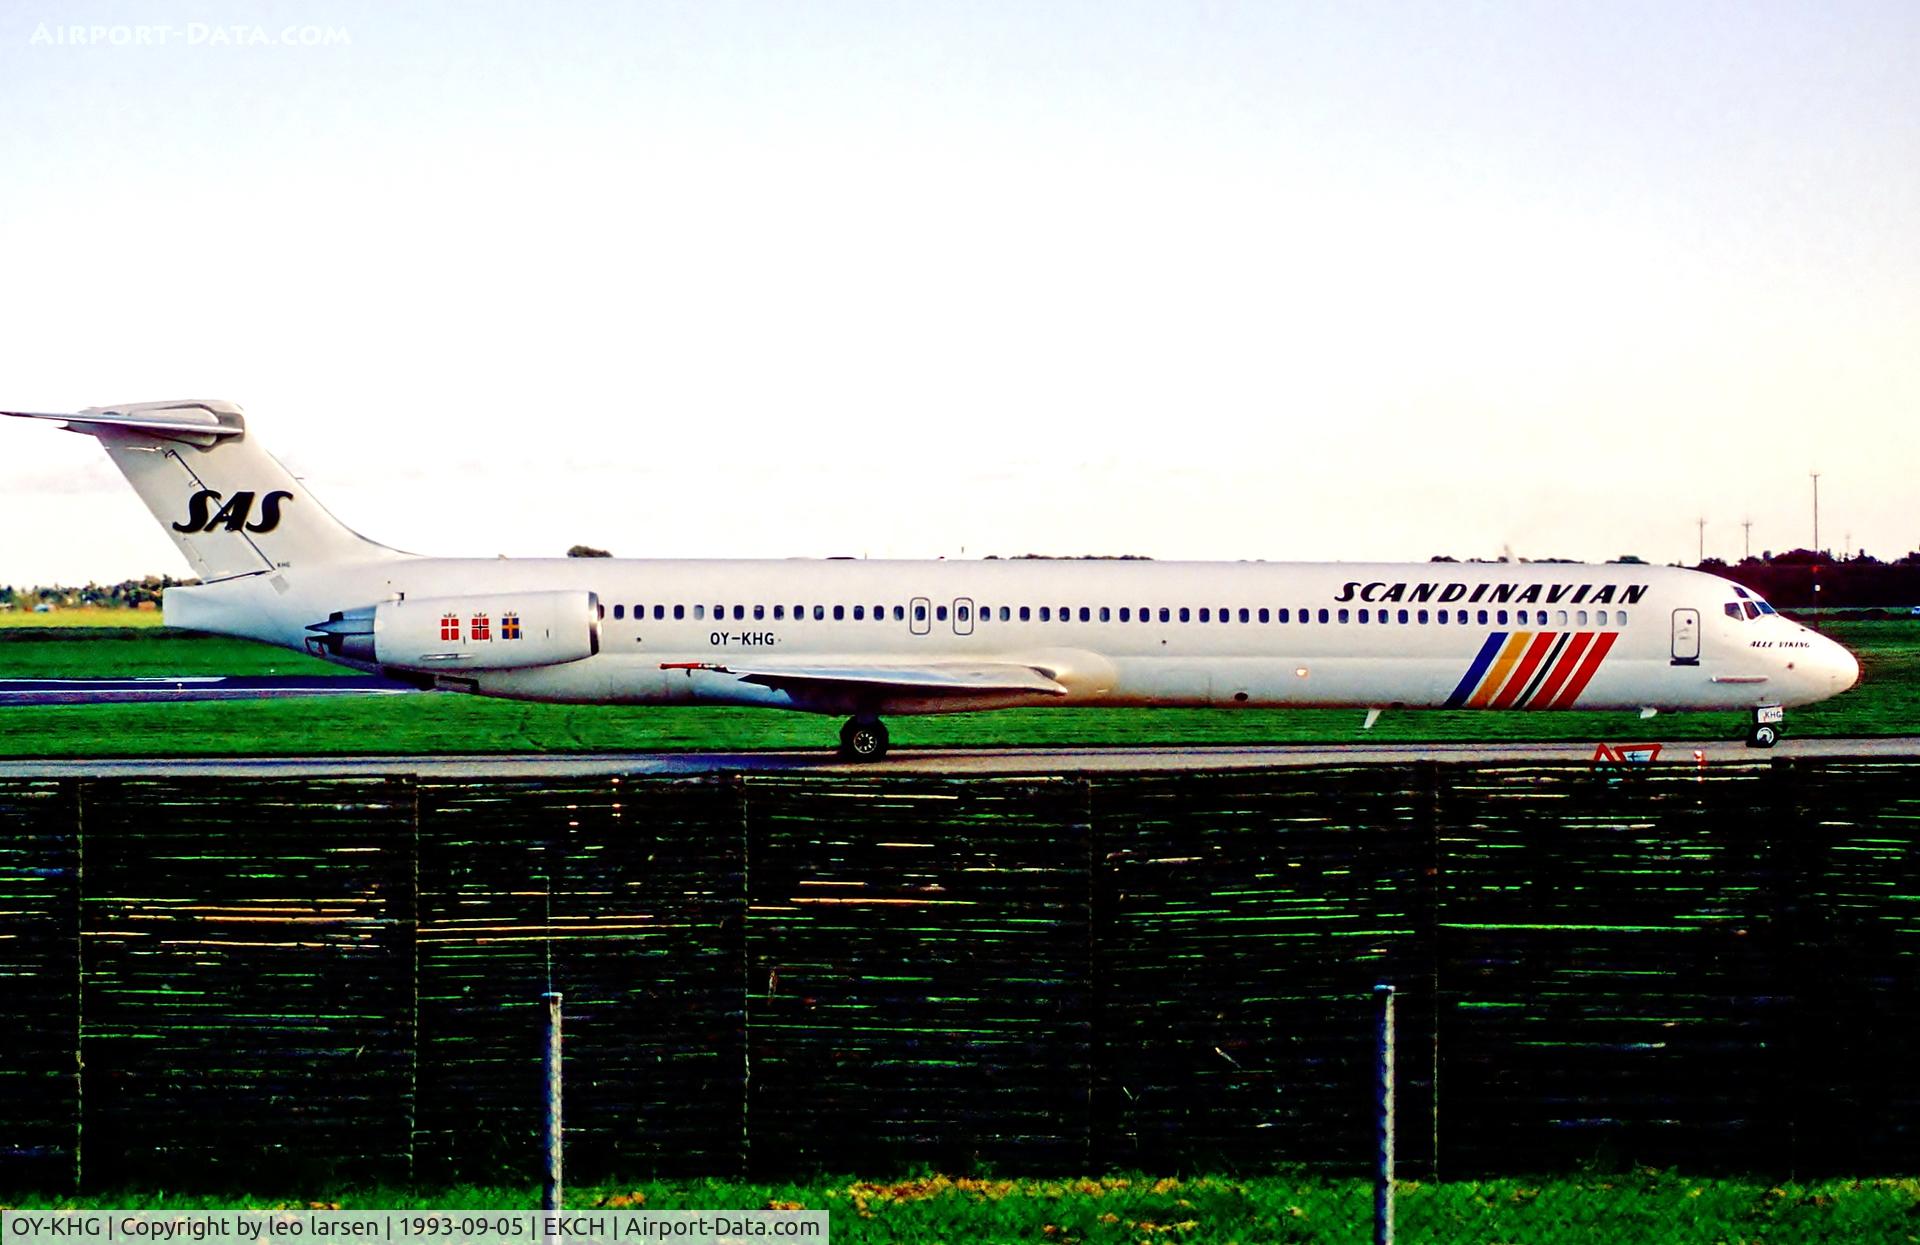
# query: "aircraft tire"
x,y
1763,736
863,740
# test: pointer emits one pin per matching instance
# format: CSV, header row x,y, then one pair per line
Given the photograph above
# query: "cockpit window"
x,y
1733,609
1753,611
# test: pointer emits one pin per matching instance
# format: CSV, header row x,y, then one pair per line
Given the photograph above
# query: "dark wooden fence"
x,y
209,983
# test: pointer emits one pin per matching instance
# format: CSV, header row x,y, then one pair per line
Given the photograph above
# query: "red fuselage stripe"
x,y
1524,671
1595,656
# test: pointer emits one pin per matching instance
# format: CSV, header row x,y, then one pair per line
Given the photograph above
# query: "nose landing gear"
x,y
1765,731
863,739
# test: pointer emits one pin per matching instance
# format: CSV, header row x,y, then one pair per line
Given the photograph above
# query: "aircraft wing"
x,y
931,679
190,687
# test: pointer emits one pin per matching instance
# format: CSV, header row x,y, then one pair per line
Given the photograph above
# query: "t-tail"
x,y
230,506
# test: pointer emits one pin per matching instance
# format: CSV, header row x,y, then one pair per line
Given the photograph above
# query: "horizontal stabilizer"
x,y
938,679
194,422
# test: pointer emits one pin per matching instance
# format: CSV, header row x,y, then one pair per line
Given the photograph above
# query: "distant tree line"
x,y
1861,581
127,594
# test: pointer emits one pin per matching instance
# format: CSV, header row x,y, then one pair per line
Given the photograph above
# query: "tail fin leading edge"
x,y
229,506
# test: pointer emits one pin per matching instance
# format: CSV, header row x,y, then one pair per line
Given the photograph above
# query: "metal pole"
x,y
550,1200
1383,1116
1816,510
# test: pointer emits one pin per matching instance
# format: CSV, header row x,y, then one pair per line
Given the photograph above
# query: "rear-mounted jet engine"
x,y
432,634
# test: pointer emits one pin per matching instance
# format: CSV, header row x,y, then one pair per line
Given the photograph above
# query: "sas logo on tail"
x,y
233,515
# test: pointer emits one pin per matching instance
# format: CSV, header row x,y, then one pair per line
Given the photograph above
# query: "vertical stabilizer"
x,y
228,504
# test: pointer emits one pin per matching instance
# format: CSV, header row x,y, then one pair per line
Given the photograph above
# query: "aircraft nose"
x,y
1842,668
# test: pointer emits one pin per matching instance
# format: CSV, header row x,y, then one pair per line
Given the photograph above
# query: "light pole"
x,y
1816,510
1747,548
1702,521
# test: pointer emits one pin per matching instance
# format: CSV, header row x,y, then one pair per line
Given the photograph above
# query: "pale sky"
x,y
1282,281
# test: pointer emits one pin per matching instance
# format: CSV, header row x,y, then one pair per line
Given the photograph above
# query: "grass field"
x,y
1644,1207
1886,703
81,616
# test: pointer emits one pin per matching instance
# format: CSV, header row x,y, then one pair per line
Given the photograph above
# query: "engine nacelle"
x,y
508,631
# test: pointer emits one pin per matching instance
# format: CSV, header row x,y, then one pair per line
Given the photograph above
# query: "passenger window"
x,y
1185,614
679,611
1280,615
1245,616
819,613
1085,615
1106,615
899,613
699,612
1440,616
659,611
1263,614
1540,616
1026,613
1126,613
1204,615
739,613
1366,616
859,613
1066,613
940,613
1560,618
1423,618
1046,613
1323,615
779,612
1343,615
619,612
759,612
1460,616
919,613
1403,617
1165,614
1483,618
961,614
1580,618
1501,618
1006,615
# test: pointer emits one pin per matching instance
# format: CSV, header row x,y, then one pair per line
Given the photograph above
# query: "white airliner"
x,y
862,639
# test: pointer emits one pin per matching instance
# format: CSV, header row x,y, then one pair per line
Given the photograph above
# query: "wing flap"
x,y
935,679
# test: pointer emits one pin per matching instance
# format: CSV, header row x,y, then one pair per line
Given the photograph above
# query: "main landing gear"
x,y
1765,731
863,739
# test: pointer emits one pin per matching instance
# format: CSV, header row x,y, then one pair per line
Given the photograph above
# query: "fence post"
x,y
1383,1116
550,1199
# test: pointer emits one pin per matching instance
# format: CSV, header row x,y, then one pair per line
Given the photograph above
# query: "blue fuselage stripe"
x,y
1475,671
